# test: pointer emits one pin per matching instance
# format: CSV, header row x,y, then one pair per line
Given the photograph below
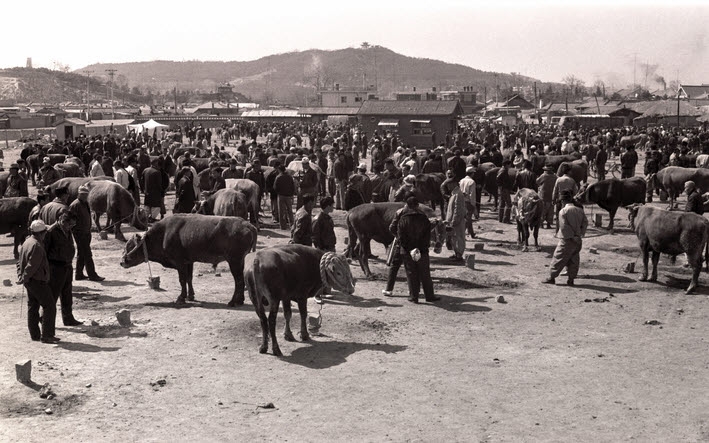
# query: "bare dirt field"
x,y
553,363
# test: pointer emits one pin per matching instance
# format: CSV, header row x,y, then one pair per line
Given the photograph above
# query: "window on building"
x,y
358,99
343,99
421,127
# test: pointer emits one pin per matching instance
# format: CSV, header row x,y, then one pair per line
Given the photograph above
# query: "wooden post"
x,y
598,221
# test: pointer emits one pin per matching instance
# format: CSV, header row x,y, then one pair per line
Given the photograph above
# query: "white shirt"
x,y
467,186
121,176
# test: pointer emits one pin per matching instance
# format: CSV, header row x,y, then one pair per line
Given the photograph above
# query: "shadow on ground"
x,y
323,355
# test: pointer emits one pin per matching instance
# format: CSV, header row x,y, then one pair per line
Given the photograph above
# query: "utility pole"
x,y
635,61
88,94
111,73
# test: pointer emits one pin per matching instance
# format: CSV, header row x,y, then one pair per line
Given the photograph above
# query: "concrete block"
x,y
479,246
598,220
593,251
470,261
123,317
23,371
7,282
630,267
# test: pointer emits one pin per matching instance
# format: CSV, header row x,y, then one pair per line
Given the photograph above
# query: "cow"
x,y
72,184
611,194
702,161
673,233
225,202
14,218
633,140
252,192
68,169
178,241
371,221
672,179
578,170
110,198
539,161
285,273
490,184
529,208
430,187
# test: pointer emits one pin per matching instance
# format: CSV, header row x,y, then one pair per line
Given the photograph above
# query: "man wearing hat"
x,y
563,183
255,174
50,212
361,183
33,273
572,228
60,252
47,173
468,188
231,171
628,160
341,176
16,184
695,203
153,188
82,236
545,184
308,182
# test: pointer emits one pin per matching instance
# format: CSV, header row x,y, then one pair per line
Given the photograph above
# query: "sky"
x,y
612,41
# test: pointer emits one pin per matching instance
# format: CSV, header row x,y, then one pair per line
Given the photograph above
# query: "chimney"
x,y
414,88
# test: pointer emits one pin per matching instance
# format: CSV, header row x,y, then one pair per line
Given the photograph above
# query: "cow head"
x,y
335,272
438,234
134,253
633,213
140,218
585,194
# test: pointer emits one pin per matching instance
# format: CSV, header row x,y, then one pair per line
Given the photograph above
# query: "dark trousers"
x,y
393,270
627,173
60,280
39,294
84,258
418,274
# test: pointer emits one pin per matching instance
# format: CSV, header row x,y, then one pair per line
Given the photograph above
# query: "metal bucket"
x,y
154,282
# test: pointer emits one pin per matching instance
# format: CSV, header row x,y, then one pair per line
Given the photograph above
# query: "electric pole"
x,y
88,96
111,73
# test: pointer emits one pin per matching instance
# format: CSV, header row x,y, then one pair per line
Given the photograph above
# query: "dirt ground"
x,y
553,363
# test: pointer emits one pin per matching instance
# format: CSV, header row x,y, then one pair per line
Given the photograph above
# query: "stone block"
x,y
23,371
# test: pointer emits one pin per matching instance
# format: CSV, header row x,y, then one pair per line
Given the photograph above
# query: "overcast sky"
x,y
548,40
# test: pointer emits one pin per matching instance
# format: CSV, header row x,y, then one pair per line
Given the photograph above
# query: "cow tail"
x,y
352,235
262,294
254,238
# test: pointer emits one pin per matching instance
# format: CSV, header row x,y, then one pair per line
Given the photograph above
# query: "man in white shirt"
x,y
467,186
132,169
120,174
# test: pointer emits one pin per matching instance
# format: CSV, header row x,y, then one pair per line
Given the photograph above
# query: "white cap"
x,y
38,226
410,179
306,160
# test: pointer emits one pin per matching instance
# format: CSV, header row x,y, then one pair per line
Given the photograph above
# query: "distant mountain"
x,y
294,77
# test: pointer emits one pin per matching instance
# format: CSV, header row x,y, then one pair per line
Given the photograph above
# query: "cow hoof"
x,y
539,249
277,352
180,301
643,278
288,336
121,238
652,279
190,297
525,249
263,349
237,302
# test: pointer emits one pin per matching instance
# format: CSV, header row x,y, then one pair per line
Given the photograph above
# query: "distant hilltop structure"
x,y
29,63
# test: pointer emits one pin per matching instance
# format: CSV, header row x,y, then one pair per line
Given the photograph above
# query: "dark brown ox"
x,y
34,163
578,170
112,199
672,179
673,233
529,208
613,193
490,185
178,241
539,161
286,273
14,218
69,169
224,202
371,221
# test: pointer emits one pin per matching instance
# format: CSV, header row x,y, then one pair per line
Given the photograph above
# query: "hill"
x,y
294,77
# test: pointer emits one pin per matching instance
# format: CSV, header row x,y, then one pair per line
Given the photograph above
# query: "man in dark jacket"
x,y
60,252
255,174
184,192
324,227
302,232
284,187
341,176
413,231
82,237
505,187
627,162
152,186
601,158
308,182
457,165
694,199
526,178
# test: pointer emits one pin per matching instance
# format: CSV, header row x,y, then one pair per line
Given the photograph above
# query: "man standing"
x,y
601,158
546,183
308,182
95,169
132,170
526,178
694,199
60,252
413,230
563,183
341,176
82,236
302,232
47,172
468,188
184,192
232,172
455,221
628,160
284,186
324,227
50,212
121,175
505,185
572,228
152,186
33,273
16,184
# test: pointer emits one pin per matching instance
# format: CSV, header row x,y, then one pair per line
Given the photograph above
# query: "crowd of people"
x,y
301,166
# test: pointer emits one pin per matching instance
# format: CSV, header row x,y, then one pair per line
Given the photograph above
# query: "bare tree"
x,y
575,85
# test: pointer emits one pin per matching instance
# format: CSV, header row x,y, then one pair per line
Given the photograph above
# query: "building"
x,y
346,97
670,113
69,128
417,123
697,95
330,113
274,115
467,98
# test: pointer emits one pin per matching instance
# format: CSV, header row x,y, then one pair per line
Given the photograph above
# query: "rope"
x,y
116,223
145,253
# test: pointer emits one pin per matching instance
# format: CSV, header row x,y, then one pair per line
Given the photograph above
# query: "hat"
x,y
532,148
548,168
305,160
46,160
469,170
38,226
362,167
83,189
232,161
566,195
410,179
292,149
689,185
14,166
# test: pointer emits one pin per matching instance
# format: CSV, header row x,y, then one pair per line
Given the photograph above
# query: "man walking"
x,y
572,228
455,221
60,252
546,183
505,186
284,186
628,160
153,189
82,236
33,273
563,183
468,188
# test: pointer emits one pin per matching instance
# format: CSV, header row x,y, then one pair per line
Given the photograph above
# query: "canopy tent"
x,y
151,126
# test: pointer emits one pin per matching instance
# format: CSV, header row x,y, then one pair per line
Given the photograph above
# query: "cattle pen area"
x,y
609,359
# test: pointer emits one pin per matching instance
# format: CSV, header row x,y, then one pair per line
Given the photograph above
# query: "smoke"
x,y
661,80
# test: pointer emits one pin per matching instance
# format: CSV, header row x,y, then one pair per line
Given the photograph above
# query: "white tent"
x,y
151,126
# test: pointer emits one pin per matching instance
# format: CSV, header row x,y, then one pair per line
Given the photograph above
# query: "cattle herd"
x,y
225,222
